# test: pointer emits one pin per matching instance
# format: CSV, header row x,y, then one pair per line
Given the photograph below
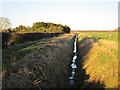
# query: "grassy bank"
x,y
100,61
16,52
44,68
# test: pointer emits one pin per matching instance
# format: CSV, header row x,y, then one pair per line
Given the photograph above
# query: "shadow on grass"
x,y
80,77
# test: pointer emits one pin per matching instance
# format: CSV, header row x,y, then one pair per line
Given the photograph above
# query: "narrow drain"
x,y
73,65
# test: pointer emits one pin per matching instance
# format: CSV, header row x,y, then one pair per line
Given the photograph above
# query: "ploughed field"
x,y
46,63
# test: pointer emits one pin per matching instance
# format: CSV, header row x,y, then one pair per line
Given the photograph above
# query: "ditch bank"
x,y
17,38
47,67
84,45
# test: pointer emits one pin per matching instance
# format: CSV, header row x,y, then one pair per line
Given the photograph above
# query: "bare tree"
x,y
4,23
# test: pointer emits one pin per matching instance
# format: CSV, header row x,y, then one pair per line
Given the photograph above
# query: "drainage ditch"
x,y
73,64
50,67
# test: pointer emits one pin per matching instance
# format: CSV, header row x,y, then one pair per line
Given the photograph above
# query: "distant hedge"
x,y
16,38
43,27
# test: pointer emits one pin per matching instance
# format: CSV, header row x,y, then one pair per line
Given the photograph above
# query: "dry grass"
x,y
101,62
46,67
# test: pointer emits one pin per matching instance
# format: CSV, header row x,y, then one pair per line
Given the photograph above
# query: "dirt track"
x,y
47,67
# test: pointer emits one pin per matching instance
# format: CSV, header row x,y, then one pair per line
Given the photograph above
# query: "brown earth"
x,y
46,67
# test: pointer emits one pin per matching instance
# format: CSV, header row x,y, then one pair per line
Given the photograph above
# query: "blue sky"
x,y
79,15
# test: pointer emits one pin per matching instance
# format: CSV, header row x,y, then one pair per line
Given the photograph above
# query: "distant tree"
x,y
39,25
44,27
66,29
21,28
4,23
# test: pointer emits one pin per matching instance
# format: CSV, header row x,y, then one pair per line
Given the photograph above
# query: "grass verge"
x,y
101,61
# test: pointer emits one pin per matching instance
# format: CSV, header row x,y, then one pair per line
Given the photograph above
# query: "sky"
x,y
77,14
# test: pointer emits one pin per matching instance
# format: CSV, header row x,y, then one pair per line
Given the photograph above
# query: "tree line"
x,y
36,27
43,27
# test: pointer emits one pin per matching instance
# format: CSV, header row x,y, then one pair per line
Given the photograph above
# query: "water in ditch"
x,y
73,65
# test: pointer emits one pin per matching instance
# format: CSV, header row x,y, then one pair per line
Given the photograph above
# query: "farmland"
x,y
45,63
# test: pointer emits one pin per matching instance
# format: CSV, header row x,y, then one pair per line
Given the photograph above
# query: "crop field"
x,y
45,63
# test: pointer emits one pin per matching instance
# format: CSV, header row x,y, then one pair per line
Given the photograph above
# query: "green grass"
x,y
14,53
104,35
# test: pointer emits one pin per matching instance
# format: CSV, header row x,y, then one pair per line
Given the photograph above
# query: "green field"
x,y
104,35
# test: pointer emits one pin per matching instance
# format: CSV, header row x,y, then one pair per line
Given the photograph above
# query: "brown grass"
x,y
46,67
100,61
